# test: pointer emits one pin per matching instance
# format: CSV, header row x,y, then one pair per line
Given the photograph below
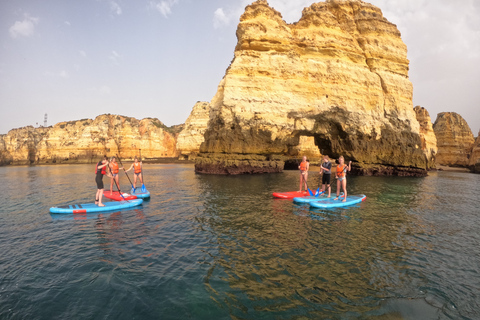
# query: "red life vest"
x,y
104,169
137,167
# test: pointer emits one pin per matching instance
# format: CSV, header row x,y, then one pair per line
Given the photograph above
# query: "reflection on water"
x,y
217,247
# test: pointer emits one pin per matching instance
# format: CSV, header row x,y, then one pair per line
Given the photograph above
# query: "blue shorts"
x,y
341,179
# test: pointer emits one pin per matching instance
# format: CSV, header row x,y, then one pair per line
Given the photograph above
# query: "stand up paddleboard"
x,y
141,194
309,199
91,207
290,194
330,203
117,197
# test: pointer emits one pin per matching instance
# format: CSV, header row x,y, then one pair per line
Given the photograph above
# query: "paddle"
x,y
143,175
133,189
119,192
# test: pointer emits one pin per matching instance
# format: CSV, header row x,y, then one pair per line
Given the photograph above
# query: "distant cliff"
x,y
454,140
475,155
339,75
427,135
86,140
191,137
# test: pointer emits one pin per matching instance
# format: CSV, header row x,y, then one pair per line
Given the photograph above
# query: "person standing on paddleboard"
x,y
304,165
100,171
326,169
114,170
137,170
341,176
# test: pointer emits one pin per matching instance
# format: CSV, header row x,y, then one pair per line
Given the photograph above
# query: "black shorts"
x,y
99,181
326,178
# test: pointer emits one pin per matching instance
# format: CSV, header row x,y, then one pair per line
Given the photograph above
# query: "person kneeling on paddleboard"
x,y
341,176
304,165
326,169
100,171
113,165
137,169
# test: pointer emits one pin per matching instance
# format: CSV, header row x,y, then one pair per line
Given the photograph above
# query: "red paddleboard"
x,y
290,194
117,197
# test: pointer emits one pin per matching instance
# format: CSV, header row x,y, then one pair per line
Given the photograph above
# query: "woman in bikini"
x,y
341,176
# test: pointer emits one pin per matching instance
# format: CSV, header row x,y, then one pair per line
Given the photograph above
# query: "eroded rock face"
x,y
454,140
87,140
191,137
427,135
340,75
475,155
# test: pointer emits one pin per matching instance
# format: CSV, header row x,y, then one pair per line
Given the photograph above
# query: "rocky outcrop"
x,y
454,140
191,137
427,135
86,140
475,156
339,75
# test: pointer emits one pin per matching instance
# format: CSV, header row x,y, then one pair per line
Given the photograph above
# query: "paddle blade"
x,y
310,191
317,193
133,190
143,188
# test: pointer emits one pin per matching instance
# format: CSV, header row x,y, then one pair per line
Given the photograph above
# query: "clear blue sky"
x,y
140,58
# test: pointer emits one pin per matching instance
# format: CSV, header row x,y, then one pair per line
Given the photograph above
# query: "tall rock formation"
x,y
191,137
86,140
454,140
340,75
427,135
475,155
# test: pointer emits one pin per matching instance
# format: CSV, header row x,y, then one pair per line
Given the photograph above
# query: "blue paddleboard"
x,y
141,194
308,199
91,207
330,203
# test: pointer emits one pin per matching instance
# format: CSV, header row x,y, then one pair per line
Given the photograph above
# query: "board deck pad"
x,y
330,203
92,207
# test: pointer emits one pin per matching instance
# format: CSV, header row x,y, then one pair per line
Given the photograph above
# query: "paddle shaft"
x,y
125,170
143,174
119,192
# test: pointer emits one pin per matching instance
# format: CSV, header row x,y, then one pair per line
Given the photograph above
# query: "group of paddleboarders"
x,y
112,172
326,172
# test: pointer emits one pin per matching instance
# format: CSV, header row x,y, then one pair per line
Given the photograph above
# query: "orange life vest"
x,y
303,166
137,167
114,167
340,170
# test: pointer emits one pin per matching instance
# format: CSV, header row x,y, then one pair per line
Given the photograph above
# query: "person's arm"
x,y
350,166
129,168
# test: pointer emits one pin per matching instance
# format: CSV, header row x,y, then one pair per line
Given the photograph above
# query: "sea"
x,y
221,247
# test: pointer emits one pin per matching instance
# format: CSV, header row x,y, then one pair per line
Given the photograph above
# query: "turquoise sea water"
x,y
220,247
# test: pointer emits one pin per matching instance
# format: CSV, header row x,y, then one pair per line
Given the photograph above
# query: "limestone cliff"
x,y
475,155
86,140
454,139
427,135
339,75
191,137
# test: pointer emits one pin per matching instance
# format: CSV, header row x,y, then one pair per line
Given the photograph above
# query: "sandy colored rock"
x,y
86,140
474,161
454,139
191,137
427,135
340,75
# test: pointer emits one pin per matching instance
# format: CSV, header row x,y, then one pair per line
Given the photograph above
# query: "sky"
x,y
74,60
